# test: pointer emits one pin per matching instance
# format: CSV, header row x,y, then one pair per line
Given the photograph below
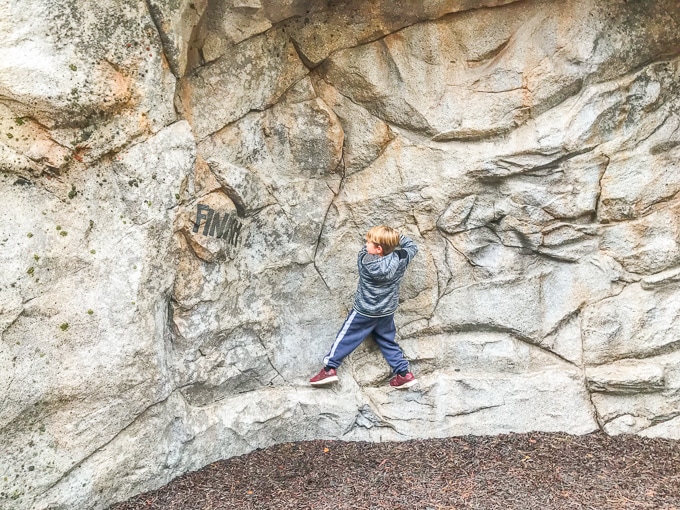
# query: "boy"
x,y
382,264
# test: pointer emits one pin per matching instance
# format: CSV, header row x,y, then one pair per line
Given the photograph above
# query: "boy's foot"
x,y
324,377
403,381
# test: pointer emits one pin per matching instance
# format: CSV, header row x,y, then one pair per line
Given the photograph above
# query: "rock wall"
x,y
185,185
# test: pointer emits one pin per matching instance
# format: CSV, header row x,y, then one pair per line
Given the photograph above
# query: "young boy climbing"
x,y
382,264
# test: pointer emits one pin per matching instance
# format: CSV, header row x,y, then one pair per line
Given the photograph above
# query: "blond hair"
x,y
384,236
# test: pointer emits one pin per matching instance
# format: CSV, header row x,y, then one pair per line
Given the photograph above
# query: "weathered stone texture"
x,y
185,186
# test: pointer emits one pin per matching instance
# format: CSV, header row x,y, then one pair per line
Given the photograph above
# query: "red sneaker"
x,y
403,382
323,377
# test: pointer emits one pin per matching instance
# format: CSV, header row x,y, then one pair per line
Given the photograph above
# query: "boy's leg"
x,y
354,330
384,334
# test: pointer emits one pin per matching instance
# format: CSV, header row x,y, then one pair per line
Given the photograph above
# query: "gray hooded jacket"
x,y
377,294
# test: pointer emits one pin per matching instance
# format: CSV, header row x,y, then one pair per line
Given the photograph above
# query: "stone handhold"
x,y
670,277
367,418
483,249
652,406
667,429
467,213
176,22
225,24
626,377
21,166
626,424
642,177
251,77
637,181
565,340
203,180
568,242
308,133
633,324
647,245
621,106
366,136
516,232
24,136
522,162
229,363
246,190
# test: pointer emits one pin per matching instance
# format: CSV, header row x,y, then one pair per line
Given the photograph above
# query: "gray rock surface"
x,y
185,186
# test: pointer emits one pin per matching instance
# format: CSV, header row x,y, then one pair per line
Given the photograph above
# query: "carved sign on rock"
x,y
221,225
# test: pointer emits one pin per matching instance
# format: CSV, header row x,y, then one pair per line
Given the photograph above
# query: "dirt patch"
x,y
516,471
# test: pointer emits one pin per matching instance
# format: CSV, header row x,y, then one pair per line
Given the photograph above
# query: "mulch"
x,y
515,471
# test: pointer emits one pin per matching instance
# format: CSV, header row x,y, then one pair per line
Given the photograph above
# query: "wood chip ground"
x,y
515,471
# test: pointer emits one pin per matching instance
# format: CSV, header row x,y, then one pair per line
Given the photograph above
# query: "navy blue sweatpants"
x,y
356,328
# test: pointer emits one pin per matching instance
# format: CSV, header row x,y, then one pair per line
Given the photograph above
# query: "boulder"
x,y
186,186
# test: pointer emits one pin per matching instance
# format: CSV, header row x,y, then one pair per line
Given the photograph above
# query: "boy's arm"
x,y
361,254
408,248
